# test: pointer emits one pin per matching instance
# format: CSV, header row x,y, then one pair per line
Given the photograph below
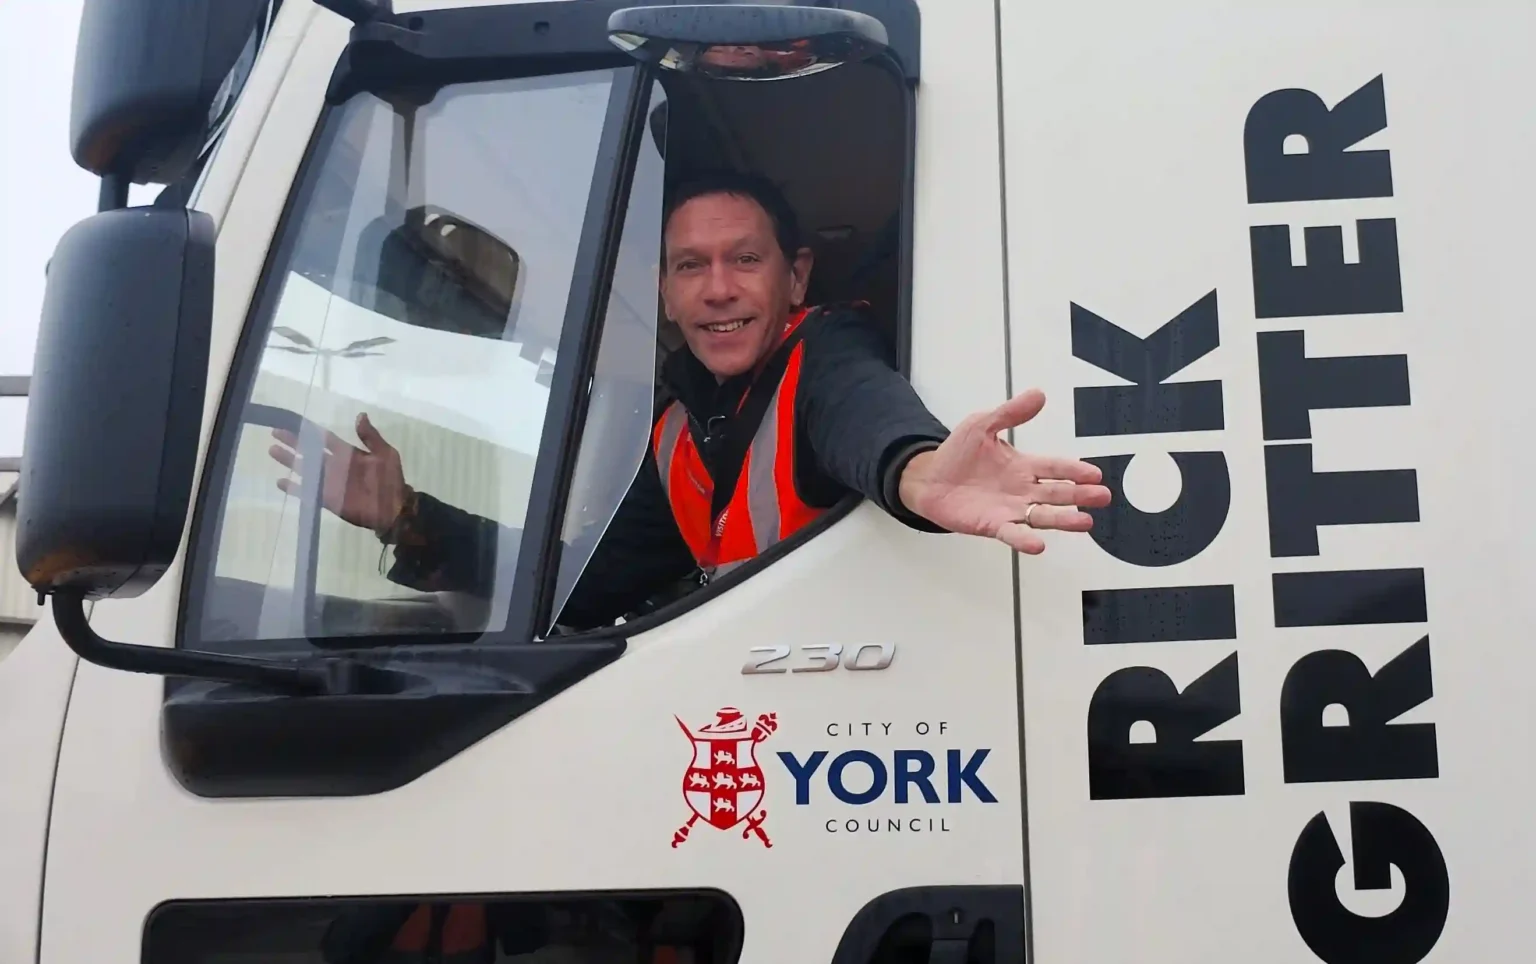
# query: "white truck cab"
x,y
1268,261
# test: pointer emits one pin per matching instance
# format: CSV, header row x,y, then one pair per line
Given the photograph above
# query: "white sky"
x,y
41,189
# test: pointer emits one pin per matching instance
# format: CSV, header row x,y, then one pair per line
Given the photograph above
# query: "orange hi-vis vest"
x,y
765,507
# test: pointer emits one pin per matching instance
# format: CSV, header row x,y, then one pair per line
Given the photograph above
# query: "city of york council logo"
x,y
724,784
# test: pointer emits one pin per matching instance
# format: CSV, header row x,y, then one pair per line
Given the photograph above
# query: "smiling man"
x,y
778,411
781,410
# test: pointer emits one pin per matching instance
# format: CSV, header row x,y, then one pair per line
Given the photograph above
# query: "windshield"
x,y
416,314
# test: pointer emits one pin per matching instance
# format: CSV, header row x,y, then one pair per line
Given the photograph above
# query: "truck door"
x,y
441,247
1272,260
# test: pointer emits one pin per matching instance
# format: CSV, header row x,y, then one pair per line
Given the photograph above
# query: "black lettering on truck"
x,y
1301,499
1327,170
1292,386
1381,836
1147,405
1175,763
1366,746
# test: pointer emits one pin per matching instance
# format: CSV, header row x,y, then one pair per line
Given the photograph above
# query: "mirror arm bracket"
x,y
377,51
69,616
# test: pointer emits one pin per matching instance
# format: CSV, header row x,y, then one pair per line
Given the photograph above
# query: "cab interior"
x,y
836,145
834,142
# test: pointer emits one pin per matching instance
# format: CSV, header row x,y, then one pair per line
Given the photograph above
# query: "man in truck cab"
x,y
777,411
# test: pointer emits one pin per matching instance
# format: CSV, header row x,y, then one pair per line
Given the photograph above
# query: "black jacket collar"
x,y
688,381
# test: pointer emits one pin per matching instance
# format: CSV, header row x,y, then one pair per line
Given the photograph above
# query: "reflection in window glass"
x,y
425,290
617,433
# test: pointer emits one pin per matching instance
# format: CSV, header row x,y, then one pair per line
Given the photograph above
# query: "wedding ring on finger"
x,y
1027,514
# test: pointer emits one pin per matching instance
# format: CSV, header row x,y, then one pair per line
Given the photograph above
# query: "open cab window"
x,y
464,294
413,318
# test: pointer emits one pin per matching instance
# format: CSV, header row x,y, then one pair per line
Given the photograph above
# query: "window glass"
x,y
619,414
425,290
682,929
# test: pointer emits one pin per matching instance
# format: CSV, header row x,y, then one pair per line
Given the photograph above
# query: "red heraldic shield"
x,y
724,785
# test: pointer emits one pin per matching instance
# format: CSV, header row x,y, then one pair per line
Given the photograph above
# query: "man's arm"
x,y
863,420
441,547
870,430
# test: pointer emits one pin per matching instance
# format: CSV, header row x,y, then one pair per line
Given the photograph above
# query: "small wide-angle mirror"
x,y
438,270
746,41
153,80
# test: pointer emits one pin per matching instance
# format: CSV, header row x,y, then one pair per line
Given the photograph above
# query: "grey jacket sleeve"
x,y
863,420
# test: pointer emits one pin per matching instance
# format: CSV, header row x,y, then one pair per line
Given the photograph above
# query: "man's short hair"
x,y
754,187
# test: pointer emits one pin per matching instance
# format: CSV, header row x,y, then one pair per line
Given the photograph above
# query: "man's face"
x,y
726,282
739,57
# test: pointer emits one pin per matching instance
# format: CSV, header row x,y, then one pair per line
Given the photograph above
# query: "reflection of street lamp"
x,y
304,346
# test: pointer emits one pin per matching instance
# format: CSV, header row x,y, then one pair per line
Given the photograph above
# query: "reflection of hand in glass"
x,y
365,487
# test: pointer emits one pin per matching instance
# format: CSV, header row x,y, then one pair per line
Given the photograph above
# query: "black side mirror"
x,y
148,75
116,401
113,424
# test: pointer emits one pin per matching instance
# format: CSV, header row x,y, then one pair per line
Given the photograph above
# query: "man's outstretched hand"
x,y
978,484
364,486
